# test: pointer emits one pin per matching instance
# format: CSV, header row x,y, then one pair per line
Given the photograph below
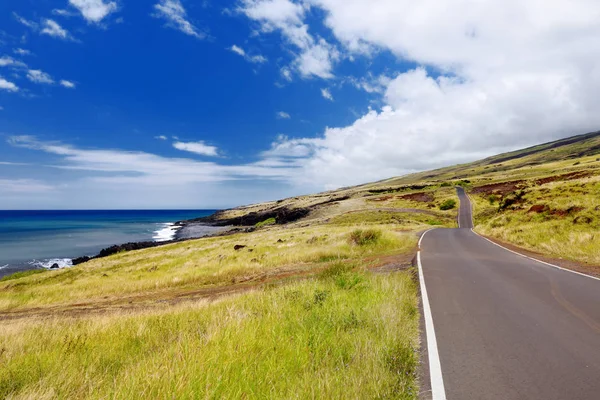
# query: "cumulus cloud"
x,y
255,59
197,148
315,58
326,93
53,28
38,76
176,16
283,115
8,86
493,77
67,84
93,11
160,137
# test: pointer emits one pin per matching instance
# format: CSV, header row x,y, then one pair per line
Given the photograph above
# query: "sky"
x,y
211,104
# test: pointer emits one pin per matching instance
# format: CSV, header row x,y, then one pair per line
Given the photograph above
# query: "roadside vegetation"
x,y
559,218
344,334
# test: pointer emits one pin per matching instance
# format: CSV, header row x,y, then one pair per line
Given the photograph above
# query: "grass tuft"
x,y
364,237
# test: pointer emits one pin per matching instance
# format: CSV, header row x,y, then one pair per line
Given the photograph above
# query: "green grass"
x,y
568,227
266,222
405,220
448,205
190,265
346,334
365,237
21,274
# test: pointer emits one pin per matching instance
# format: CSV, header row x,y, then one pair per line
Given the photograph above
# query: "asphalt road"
x,y
508,327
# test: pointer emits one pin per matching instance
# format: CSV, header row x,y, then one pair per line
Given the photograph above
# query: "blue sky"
x,y
192,104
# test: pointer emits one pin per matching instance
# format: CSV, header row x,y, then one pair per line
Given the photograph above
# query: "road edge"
x,y
520,254
535,259
438,391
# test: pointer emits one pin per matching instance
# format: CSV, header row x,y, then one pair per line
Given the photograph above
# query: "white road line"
x,y
535,259
523,255
435,368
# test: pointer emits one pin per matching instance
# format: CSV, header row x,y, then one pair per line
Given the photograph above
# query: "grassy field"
x,y
210,262
344,334
282,312
560,218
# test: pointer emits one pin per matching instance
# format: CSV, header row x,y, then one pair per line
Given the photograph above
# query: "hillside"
x,y
318,288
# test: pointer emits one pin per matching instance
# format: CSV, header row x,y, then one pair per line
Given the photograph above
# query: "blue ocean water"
x,y
37,239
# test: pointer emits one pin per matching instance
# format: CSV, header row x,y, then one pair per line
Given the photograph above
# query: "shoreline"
x,y
178,231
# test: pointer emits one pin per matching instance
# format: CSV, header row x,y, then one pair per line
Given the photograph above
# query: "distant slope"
x,y
563,149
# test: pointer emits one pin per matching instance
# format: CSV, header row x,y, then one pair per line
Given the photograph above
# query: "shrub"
x,y
365,237
266,222
446,184
492,199
448,204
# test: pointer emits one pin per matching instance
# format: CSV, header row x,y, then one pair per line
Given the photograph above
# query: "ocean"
x,y
39,239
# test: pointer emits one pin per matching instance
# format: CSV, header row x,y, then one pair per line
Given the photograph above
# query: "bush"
x,y
446,184
266,222
492,199
364,237
448,205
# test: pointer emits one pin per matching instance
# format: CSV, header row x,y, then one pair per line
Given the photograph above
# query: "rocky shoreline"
x,y
202,227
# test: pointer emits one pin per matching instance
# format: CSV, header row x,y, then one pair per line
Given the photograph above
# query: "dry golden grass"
x,y
348,334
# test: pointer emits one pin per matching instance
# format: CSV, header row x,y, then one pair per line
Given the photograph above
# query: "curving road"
x,y
506,327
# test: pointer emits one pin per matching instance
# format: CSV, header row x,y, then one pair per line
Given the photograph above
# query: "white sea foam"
x,y
4,266
61,262
166,232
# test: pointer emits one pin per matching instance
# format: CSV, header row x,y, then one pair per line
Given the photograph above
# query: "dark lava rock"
x,y
127,247
81,260
55,266
238,247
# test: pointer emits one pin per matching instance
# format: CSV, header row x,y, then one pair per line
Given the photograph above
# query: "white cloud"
x,y
1,108
38,76
326,93
67,84
12,186
93,11
52,28
6,61
197,147
283,115
316,57
26,22
176,16
22,52
161,137
255,59
140,168
8,86
62,12
513,73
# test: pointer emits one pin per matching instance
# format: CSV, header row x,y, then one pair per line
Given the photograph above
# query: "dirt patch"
x,y
538,208
567,212
502,189
420,197
382,198
541,208
565,177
